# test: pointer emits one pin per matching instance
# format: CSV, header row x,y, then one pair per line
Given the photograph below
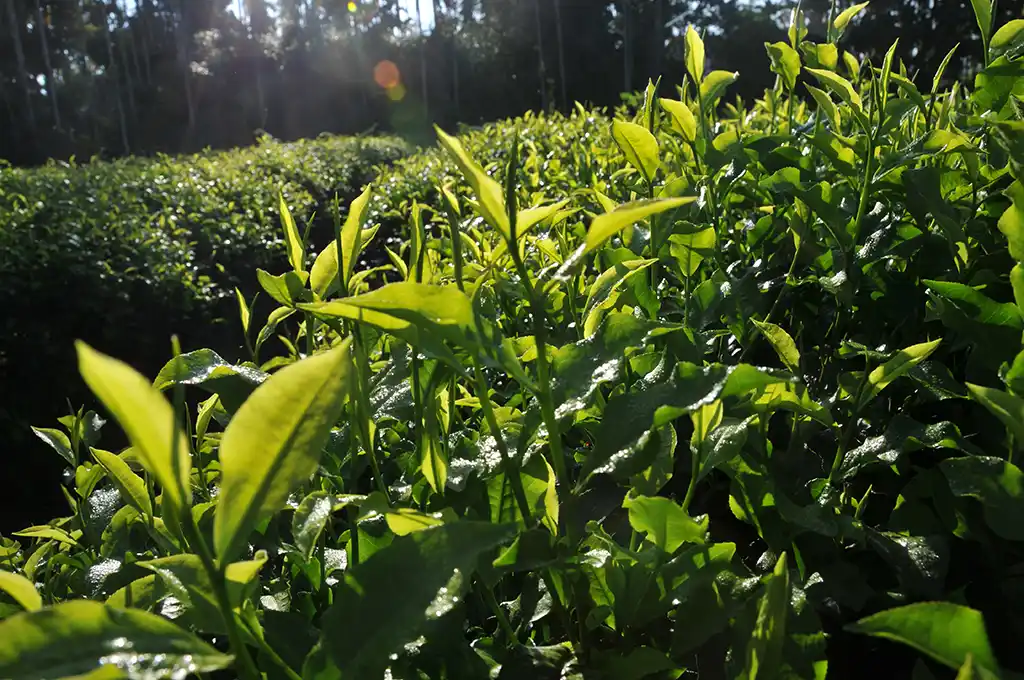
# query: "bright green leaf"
x,y
683,121
782,342
77,637
945,631
840,23
132,488
22,590
666,524
694,55
274,442
639,146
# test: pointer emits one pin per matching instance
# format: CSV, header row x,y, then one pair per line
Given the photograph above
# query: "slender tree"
x,y
14,25
42,25
563,82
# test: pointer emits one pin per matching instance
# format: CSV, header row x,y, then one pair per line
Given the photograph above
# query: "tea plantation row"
x,y
702,389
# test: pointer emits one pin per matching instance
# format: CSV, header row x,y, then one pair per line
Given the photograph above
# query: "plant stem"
x,y
363,406
865,187
508,465
488,597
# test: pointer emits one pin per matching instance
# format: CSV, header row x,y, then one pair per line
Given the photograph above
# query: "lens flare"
x,y
387,75
396,93
352,6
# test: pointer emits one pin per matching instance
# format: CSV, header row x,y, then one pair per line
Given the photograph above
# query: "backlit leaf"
x,y
132,488
274,442
997,484
639,146
945,631
1007,407
683,121
385,602
843,19
78,637
908,357
148,420
22,590
666,524
292,239
489,195
782,343
694,55
764,652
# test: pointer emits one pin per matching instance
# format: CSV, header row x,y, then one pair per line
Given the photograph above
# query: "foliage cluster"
x,y
122,253
747,402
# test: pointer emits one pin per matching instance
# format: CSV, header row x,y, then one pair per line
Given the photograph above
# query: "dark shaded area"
x,y
144,76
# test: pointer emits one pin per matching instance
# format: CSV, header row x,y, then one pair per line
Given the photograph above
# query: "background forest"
x,y
83,77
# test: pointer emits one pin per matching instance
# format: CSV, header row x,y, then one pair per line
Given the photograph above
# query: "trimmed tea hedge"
x,y
126,253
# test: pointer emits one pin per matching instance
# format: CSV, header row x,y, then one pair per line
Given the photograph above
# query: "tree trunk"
x,y
561,55
181,52
124,66
658,43
19,55
51,82
627,45
423,60
113,80
541,67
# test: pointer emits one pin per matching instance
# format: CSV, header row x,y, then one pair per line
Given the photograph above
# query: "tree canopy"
x,y
87,77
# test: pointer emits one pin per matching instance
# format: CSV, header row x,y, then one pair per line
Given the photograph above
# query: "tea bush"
x,y
123,253
745,403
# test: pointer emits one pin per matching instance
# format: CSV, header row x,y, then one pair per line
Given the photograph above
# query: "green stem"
x,y
269,652
544,385
363,405
848,430
488,597
508,465
865,187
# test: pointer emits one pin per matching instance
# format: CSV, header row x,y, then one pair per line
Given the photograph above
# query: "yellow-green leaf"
x,y
1011,222
490,197
826,105
48,533
785,61
79,637
22,590
148,420
243,310
983,14
782,343
714,85
274,443
1008,408
292,240
945,631
905,359
691,249
324,275
607,225
841,86
694,55
1008,37
764,652
683,121
639,146
666,524
132,488
404,521
843,20
433,463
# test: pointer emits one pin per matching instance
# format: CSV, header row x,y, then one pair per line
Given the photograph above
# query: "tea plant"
x,y
742,403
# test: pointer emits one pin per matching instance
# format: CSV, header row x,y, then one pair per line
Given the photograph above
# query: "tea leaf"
x,y
324,275
1007,407
22,590
997,484
764,652
843,19
983,14
639,146
58,441
309,520
945,631
785,62
666,524
694,55
714,86
488,192
842,87
691,249
782,343
1009,37
683,121
908,357
603,227
292,240
132,488
78,637
1012,221
385,602
274,442
146,418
